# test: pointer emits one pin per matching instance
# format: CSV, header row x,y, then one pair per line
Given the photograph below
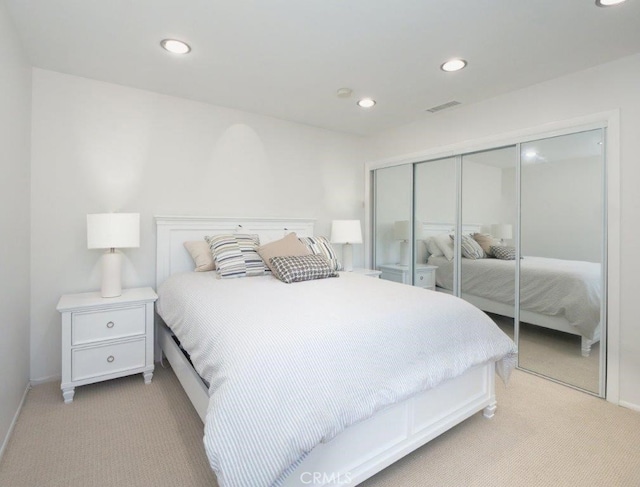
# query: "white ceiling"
x,y
287,58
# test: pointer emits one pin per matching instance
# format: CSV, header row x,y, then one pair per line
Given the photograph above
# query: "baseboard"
x,y
630,405
44,380
5,442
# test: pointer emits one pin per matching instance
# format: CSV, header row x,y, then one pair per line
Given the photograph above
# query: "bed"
x,y
344,441
557,294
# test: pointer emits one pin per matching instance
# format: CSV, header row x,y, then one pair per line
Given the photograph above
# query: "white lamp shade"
x,y
346,231
401,230
113,230
502,231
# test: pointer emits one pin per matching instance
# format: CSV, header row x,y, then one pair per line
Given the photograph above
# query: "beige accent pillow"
x,y
486,241
288,246
201,255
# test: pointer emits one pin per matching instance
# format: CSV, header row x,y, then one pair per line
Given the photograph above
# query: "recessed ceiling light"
x,y
366,103
609,3
175,46
453,65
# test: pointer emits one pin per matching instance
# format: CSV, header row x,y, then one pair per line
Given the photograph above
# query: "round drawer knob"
x,y
111,324
421,278
110,358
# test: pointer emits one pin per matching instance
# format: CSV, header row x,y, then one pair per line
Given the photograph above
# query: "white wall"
x,y
101,147
606,87
15,116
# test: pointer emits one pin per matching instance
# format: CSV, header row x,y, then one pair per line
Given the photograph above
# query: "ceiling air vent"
x,y
449,104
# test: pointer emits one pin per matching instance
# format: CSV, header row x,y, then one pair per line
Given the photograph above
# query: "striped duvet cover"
x,y
292,365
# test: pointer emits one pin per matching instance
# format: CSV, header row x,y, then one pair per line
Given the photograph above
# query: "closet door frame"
x,y
610,122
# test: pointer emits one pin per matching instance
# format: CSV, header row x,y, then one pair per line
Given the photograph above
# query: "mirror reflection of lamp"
x,y
502,231
402,232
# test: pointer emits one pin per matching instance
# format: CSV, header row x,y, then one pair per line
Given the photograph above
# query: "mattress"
x,y
552,287
290,366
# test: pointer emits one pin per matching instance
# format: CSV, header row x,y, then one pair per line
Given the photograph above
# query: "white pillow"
x,y
445,244
433,248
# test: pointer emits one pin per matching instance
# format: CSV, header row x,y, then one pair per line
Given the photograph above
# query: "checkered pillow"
x,y
503,252
321,246
301,268
236,255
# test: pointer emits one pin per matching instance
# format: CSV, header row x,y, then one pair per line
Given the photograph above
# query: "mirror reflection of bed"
x,y
559,310
555,200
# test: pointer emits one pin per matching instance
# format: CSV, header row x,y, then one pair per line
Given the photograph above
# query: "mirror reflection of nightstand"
x,y
425,274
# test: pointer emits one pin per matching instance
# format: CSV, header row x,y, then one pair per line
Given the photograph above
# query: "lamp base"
x,y
405,255
347,257
111,275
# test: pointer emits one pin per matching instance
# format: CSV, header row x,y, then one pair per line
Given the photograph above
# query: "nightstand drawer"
x,y
392,275
107,359
425,279
106,325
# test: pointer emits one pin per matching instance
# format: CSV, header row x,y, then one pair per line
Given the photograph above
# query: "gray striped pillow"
x,y
470,248
321,246
301,268
235,255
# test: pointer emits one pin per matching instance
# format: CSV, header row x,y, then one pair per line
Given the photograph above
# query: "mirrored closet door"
x,y
393,236
532,246
435,214
489,220
563,243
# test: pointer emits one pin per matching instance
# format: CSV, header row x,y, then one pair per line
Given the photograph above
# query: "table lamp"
x,y
346,232
111,231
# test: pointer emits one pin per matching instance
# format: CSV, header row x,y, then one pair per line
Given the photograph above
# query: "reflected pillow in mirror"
x,y
445,244
503,252
470,249
433,248
486,241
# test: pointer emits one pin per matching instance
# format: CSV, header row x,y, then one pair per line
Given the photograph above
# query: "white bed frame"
x,y
363,449
558,323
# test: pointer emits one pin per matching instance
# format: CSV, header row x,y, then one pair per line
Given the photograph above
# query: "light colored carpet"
x,y
117,433
123,433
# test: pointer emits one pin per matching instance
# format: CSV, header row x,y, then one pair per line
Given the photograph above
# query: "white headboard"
x,y
430,229
173,231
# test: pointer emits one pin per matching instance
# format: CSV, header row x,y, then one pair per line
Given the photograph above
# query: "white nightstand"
x,y
105,338
367,272
425,274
